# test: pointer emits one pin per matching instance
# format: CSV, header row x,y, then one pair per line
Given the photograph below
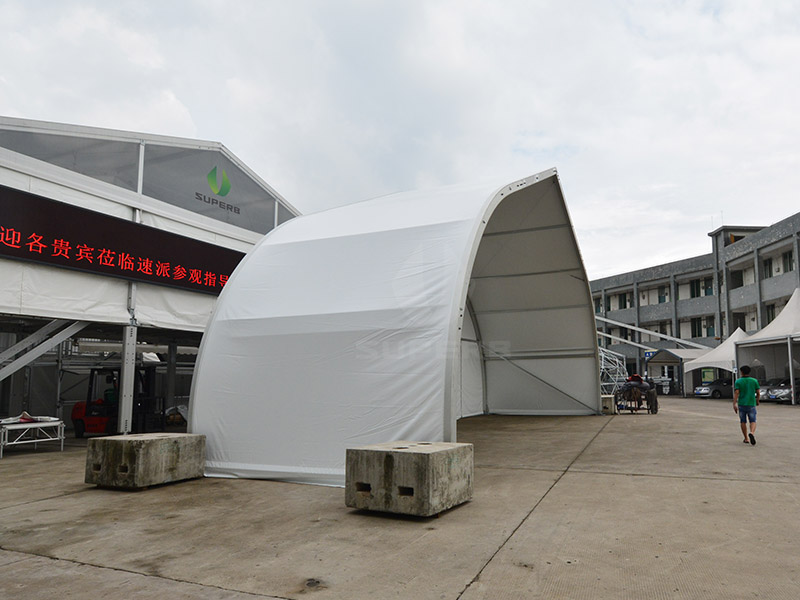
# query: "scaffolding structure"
x,y
612,371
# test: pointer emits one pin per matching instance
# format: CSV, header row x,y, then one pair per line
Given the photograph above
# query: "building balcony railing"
x,y
744,296
695,307
626,315
779,286
653,313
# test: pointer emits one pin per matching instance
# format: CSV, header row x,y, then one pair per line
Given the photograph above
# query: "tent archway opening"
x,y
525,312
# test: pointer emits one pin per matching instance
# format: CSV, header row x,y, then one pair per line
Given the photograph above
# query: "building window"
x,y
767,268
664,327
694,288
697,327
732,239
662,294
608,303
788,261
622,301
708,286
623,333
736,279
770,313
710,326
597,305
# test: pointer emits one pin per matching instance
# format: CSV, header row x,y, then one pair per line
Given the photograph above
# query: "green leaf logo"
x,y
219,190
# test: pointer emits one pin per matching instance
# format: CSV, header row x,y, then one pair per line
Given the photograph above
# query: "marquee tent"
x,y
721,357
389,320
776,346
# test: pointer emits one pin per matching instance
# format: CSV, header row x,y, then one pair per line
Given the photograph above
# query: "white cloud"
x,y
659,116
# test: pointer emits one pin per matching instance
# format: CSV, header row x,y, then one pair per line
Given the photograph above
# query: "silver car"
x,y
770,383
783,391
719,388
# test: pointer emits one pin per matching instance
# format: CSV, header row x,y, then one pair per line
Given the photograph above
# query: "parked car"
x,y
767,385
719,388
783,391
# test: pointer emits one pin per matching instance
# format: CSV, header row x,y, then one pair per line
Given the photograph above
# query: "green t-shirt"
x,y
747,387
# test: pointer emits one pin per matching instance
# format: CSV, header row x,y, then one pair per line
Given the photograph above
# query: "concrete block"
x,y
609,406
413,478
141,460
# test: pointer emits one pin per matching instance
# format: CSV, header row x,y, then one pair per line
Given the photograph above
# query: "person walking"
x,y
746,396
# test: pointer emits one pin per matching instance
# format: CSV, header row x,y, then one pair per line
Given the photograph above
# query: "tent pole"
x,y
479,339
127,375
791,370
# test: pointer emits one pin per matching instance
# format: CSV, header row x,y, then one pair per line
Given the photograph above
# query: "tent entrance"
x,y
529,311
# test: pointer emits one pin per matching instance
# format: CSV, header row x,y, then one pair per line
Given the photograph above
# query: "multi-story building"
x,y
744,282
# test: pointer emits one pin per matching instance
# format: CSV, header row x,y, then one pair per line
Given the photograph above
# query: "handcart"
x,y
635,399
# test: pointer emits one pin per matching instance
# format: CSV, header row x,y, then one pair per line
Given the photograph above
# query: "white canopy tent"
x,y
776,346
390,319
721,357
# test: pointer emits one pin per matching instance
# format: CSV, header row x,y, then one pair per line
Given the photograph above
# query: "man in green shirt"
x,y
746,394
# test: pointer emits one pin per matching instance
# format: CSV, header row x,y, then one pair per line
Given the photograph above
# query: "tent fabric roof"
x,y
674,356
75,147
721,357
773,349
786,324
677,353
347,327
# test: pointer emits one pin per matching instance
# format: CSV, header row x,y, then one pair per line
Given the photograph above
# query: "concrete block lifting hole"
x,y
413,478
138,461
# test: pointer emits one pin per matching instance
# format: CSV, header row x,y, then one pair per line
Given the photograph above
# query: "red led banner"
x,y
37,229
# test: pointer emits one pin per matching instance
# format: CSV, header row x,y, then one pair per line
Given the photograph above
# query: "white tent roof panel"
x,y
721,357
672,356
542,210
787,323
512,293
536,329
518,253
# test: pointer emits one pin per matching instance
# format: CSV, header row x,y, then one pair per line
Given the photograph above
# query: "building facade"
x,y
114,246
744,283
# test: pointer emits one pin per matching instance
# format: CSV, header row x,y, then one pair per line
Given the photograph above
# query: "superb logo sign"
x,y
218,189
221,189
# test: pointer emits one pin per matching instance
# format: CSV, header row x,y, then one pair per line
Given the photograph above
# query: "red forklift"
x,y
99,414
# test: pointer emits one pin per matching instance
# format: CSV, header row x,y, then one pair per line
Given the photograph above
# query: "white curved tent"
x,y
390,319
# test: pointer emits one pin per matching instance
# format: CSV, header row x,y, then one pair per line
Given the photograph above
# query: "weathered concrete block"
x,y
141,460
609,407
413,478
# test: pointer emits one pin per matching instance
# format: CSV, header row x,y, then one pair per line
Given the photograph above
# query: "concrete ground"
x,y
641,506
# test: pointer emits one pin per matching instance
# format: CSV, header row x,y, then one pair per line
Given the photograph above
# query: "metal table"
x,y
31,432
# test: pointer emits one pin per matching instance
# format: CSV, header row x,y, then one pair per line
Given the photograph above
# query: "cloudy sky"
x,y
664,118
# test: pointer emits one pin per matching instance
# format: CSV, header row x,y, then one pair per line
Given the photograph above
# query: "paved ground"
x,y
671,505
